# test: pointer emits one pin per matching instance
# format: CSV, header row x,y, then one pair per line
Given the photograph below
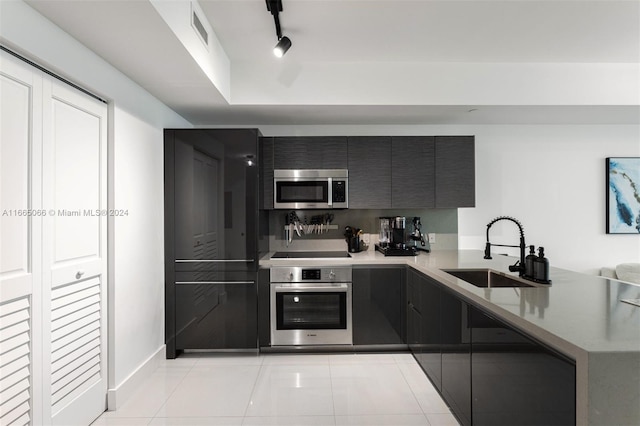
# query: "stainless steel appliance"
x,y
311,306
311,189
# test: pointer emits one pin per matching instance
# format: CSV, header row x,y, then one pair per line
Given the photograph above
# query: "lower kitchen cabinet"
x,y
456,355
216,316
516,380
488,372
424,335
264,308
378,305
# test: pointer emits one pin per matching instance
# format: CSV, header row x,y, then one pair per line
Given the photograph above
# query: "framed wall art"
x,y
623,195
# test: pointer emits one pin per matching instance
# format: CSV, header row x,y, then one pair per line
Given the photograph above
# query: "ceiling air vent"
x,y
196,23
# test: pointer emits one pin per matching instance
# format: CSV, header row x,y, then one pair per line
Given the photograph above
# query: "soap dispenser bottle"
x,y
541,267
529,262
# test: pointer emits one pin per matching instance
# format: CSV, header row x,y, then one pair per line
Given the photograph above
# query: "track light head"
x,y
281,48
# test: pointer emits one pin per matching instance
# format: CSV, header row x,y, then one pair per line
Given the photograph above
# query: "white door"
x,y
74,254
52,250
20,244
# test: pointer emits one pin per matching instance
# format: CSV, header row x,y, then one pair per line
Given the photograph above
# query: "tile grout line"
x,y
174,390
333,401
253,388
404,377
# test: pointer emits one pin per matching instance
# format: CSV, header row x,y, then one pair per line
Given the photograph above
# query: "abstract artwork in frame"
x,y
623,195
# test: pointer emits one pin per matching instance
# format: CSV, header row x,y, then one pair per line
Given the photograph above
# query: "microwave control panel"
x,y
339,189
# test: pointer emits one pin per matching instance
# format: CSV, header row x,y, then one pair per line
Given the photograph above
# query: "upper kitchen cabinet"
x,y
413,172
266,172
455,171
369,172
314,152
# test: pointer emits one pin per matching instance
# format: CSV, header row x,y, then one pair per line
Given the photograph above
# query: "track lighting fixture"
x,y
281,48
284,43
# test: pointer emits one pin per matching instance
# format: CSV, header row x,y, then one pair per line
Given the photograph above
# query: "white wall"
x,y
551,178
136,286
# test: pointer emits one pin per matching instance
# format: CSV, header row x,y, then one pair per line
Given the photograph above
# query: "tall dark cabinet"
x,y
215,234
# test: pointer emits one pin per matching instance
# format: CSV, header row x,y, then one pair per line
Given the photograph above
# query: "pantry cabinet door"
x,y
74,254
20,273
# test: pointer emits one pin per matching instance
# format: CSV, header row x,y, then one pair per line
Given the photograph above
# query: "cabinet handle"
x,y
214,282
213,260
79,274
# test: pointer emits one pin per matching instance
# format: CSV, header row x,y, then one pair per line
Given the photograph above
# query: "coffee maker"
x,y
416,236
393,237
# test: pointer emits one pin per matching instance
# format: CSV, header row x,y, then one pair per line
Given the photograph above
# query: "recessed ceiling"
x,y
133,37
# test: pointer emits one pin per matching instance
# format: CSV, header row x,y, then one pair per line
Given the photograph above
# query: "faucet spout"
x,y
519,266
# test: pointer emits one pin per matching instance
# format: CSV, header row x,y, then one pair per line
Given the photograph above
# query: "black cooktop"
x,y
310,254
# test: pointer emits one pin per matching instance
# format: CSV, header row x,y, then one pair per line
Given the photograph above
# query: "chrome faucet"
x,y
519,266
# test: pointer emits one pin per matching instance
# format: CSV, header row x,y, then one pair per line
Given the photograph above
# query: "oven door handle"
x,y
310,287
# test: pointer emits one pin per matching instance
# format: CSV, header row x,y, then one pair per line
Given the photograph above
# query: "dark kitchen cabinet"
x,y
264,308
216,316
378,305
414,315
313,152
266,150
516,380
215,234
369,172
456,355
454,171
413,172
488,372
424,334
438,335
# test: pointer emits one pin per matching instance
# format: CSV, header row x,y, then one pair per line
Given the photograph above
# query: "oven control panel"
x,y
299,274
311,274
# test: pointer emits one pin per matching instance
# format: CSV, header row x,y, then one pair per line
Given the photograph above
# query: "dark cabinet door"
x,y
378,306
266,173
455,171
369,172
516,380
264,308
424,334
413,172
314,152
214,236
216,316
414,315
456,355
431,337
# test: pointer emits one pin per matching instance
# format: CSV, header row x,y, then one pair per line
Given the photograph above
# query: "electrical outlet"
x,y
432,238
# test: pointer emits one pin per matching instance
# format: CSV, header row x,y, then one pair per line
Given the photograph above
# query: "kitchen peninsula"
x,y
579,316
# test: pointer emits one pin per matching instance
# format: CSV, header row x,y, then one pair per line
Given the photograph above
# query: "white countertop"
x,y
576,314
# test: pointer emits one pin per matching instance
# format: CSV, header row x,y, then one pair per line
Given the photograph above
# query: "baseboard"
x,y
116,397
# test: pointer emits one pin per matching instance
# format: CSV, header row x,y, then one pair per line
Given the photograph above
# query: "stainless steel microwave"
x,y
311,189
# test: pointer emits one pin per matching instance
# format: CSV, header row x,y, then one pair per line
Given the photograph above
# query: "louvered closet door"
x,y
74,254
20,259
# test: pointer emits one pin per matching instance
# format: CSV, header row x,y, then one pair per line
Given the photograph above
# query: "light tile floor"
x,y
202,389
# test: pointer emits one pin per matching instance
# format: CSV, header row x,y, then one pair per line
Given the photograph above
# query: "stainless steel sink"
x,y
488,278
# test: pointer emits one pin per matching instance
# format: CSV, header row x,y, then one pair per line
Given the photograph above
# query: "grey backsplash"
x,y
442,222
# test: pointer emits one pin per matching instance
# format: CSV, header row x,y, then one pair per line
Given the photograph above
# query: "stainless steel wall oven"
x,y
311,306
